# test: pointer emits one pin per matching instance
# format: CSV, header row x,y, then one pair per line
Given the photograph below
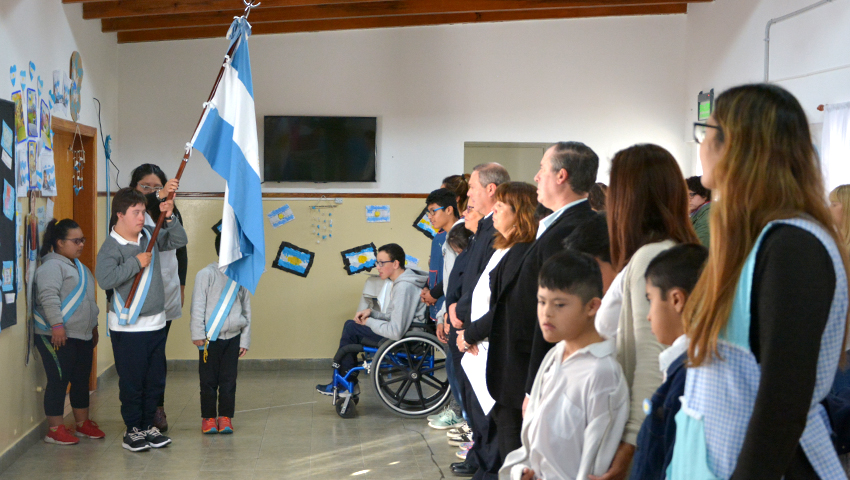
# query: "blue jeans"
x,y
353,334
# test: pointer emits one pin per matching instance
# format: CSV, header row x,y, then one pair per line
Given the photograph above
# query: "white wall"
x,y
725,45
46,33
609,82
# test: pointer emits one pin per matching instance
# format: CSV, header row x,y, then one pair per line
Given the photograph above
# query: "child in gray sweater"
x,y
221,329
137,333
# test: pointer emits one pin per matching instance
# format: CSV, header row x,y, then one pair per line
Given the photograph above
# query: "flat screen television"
x,y
319,149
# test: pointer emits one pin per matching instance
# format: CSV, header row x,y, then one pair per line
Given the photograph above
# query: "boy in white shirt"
x,y
579,402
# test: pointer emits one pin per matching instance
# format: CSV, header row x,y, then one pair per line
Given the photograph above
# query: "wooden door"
x,y
82,206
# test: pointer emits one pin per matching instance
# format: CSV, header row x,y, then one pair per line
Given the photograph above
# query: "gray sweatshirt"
x,y
405,306
55,279
117,265
209,286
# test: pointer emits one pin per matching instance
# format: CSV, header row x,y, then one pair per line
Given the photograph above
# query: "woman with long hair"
x,y
493,324
766,320
154,184
460,186
65,323
647,214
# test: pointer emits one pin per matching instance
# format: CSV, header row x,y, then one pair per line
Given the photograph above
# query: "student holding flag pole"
x,y
138,330
221,329
65,322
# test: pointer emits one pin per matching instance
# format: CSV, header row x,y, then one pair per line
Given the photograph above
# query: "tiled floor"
x,y
284,429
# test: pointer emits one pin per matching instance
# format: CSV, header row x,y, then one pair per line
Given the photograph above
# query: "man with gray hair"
x,y
483,182
567,171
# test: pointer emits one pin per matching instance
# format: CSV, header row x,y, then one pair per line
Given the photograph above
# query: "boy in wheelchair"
x,y
370,327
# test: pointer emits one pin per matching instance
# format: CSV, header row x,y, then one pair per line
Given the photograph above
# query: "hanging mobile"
x,y
79,157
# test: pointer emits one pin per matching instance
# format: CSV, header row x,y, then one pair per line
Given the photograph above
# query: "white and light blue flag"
x,y
227,136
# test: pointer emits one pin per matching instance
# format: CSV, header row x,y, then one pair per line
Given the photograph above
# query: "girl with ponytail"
x,y
65,322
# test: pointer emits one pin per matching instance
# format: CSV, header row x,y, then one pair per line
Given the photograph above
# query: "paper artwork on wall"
x,y
9,200
7,139
22,175
377,213
45,129
13,73
424,225
281,216
32,160
32,113
359,259
76,85
411,261
20,124
59,94
294,260
47,168
217,228
8,276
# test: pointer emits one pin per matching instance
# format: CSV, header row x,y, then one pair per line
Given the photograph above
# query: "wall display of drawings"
x,y
359,259
8,274
294,260
424,225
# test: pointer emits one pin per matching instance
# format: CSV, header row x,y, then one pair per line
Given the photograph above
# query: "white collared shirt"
x,y
548,221
481,293
608,316
576,415
671,353
149,323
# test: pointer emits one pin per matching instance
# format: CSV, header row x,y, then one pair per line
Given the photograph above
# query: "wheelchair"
x,y
408,375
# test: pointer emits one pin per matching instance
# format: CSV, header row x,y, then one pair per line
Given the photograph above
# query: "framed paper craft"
x,y
359,259
32,113
217,228
424,225
294,260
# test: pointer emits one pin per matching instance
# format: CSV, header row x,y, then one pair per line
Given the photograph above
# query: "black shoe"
x,y
464,470
156,439
134,440
456,464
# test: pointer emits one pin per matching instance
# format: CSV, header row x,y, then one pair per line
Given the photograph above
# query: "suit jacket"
x,y
479,254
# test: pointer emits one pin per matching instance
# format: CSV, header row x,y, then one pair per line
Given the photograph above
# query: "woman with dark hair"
x,y
597,196
699,201
766,320
459,185
65,323
647,214
494,328
152,182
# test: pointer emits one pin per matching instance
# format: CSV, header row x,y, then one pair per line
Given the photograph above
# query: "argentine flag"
x,y
227,136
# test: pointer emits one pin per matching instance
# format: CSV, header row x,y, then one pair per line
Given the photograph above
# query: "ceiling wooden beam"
x,y
133,8
328,12
400,21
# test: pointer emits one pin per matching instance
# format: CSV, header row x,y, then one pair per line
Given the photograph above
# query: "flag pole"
x,y
186,155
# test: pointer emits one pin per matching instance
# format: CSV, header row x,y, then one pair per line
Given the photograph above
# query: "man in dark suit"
x,y
483,182
567,171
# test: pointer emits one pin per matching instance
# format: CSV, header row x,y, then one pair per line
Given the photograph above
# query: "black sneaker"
x,y
134,440
156,439
460,439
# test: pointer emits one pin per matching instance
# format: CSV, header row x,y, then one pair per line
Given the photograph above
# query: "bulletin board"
x,y
8,275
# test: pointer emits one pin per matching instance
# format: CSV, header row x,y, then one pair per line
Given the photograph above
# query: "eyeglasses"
x,y
77,241
381,264
701,129
148,188
434,211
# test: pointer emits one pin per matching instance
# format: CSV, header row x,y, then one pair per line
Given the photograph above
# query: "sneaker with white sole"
x,y
461,429
448,420
458,441
461,454
439,414
134,440
466,446
155,438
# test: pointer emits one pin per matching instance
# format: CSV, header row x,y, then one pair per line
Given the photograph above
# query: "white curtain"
x,y
835,145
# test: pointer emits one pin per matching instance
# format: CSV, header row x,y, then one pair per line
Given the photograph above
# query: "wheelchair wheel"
x,y
349,409
409,375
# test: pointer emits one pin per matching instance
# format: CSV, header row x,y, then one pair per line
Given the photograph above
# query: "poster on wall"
x,y
8,245
294,260
424,225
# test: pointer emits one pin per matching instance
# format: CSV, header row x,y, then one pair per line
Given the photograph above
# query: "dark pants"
x,y
161,402
452,367
218,377
69,363
509,425
140,363
353,334
485,451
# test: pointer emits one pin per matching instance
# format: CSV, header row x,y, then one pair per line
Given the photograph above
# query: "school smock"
x,y
755,410
210,283
575,415
55,279
170,278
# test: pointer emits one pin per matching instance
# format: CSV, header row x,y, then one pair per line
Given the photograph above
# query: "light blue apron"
x,y
720,395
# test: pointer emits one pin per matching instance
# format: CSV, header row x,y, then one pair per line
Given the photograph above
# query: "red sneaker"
x,y
89,429
208,425
60,436
224,425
